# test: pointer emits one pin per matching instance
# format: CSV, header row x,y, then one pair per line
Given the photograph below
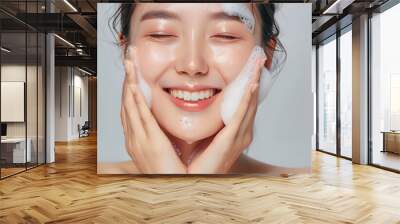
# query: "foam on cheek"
x,y
242,11
143,85
234,92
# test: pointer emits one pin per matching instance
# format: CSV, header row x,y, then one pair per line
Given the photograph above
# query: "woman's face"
x,y
188,53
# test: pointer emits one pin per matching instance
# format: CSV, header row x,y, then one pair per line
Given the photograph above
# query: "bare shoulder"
x,y
246,164
126,167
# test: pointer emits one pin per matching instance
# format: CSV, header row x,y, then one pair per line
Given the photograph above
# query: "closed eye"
x,y
226,37
160,36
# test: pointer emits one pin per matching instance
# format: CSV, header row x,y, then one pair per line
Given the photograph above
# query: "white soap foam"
x,y
242,11
235,90
143,85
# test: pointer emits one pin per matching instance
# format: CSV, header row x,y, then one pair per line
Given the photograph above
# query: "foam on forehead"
x,y
242,11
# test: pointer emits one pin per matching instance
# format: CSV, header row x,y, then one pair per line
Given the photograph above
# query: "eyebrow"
x,y
161,14
224,16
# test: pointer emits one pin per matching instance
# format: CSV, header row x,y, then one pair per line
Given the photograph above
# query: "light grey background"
x,y
284,122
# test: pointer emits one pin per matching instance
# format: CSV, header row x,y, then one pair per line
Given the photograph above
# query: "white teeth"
x,y
186,95
195,96
179,95
192,96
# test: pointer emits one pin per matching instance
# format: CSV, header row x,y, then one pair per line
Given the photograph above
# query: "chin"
x,y
193,134
185,125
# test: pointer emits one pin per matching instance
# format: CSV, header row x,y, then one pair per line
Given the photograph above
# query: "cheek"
x,y
153,60
228,61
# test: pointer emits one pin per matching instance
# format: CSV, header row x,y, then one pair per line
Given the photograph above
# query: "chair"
x,y
84,130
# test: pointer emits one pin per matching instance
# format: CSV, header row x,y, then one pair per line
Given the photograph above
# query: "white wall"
x,y
68,82
285,119
16,72
33,126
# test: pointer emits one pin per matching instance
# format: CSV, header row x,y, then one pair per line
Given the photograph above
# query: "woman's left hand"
x,y
235,137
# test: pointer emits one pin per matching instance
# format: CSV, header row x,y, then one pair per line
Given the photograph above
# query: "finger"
x,y
242,109
123,111
248,120
128,134
129,64
132,112
245,101
257,71
123,121
149,122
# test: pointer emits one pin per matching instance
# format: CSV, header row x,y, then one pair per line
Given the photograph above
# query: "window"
x,y
327,96
346,94
385,89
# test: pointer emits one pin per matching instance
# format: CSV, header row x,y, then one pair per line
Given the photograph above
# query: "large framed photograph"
x,y
195,88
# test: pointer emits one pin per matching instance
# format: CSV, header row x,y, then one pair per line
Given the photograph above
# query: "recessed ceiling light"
x,y
70,5
84,71
5,50
337,7
64,40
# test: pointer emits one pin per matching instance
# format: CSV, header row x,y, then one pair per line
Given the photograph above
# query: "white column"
x,y
360,90
50,92
50,100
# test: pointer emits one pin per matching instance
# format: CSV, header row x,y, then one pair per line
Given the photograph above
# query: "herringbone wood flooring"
x,y
70,191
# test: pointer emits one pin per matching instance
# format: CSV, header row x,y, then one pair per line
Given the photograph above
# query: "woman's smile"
x,y
188,54
193,98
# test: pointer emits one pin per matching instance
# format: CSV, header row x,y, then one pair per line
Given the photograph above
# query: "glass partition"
x,y
346,94
385,89
13,105
327,96
22,77
31,100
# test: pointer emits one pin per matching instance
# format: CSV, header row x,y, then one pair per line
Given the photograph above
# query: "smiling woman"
x,y
194,75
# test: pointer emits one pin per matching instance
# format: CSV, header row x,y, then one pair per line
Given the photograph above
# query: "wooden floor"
x,y
387,159
70,191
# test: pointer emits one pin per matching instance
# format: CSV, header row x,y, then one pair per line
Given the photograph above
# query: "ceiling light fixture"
x,y
70,5
84,71
5,50
337,7
65,41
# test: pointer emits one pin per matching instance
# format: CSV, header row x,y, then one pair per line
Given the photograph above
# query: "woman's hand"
x,y
145,142
235,137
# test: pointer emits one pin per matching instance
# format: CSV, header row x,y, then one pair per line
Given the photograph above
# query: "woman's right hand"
x,y
146,143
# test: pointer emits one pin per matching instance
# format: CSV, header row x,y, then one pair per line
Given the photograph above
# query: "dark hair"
x,y
270,30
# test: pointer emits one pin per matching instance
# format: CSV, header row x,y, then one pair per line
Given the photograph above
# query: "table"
x,y
391,141
16,147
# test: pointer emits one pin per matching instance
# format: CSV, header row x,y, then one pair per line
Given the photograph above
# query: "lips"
x,y
192,100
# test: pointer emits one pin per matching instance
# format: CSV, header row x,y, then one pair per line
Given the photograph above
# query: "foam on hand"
x,y
143,85
235,90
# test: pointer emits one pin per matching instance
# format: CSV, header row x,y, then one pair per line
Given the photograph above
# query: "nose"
x,y
191,59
